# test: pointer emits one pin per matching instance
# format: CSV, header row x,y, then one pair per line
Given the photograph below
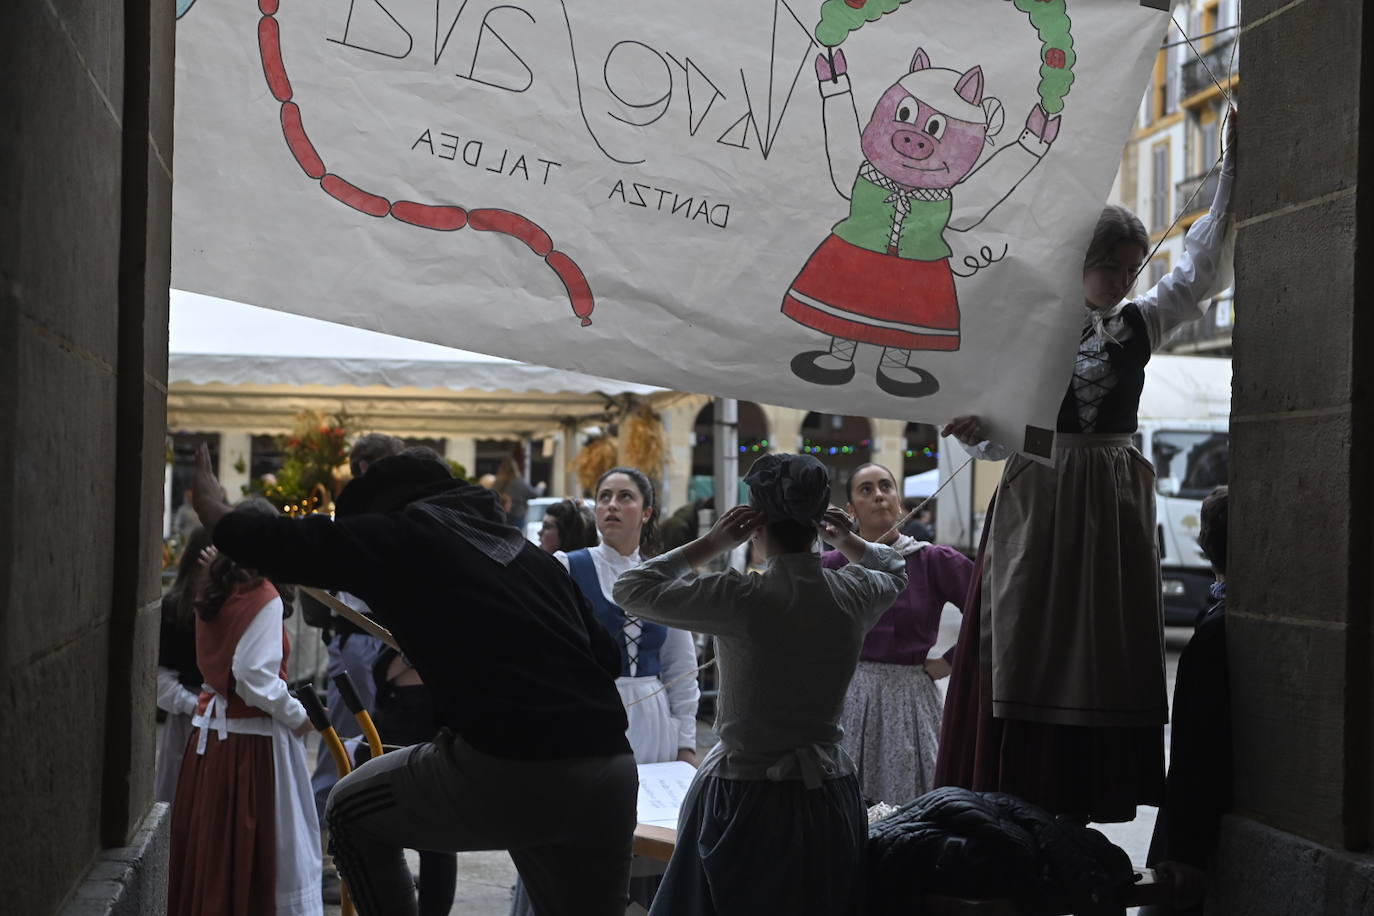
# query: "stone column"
x,y
235,449
784,427
462,449
572,444
557,460
1301,555
889,445
679,423
85,248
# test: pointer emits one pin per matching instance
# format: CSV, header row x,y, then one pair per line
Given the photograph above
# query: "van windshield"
x,y
1197,460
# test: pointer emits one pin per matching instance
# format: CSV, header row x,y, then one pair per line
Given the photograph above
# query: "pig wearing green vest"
x,y
882,276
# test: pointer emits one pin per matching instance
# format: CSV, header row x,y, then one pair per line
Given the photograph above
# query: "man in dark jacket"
x,y
1198,790
532,755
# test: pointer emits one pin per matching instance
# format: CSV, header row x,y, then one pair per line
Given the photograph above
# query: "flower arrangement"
x,y
315,466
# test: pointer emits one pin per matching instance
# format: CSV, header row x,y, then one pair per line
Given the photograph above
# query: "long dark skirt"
x,y
756,846
1089,773
224,852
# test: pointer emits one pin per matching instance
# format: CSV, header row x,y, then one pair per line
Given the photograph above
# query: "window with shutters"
x,y
1159,187
1172,73
1207,151
1159,267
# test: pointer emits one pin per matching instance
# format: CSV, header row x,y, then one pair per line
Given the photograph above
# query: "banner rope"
x,y
897,526
902,521
1203,60
680,678
1184,210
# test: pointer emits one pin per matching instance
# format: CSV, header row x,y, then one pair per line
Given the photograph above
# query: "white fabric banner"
x,y
876,208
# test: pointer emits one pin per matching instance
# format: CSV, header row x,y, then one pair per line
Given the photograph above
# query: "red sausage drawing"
x,y
269,46
512,224
300,144
579,291
355,196
444,219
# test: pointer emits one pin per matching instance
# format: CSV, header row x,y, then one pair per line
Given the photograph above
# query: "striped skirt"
x,y
891,723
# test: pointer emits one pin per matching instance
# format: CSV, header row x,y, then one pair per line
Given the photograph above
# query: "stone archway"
x,y
753,442
841,443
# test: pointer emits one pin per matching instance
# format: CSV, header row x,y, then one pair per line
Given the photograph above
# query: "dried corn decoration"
x,y
644,441
596,458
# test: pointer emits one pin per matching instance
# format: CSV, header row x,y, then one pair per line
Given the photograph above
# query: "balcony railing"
x,y
1210,334
1194,194
1218,58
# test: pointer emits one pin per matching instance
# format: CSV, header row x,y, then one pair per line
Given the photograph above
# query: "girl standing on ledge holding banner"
x,y
788,643
1058,694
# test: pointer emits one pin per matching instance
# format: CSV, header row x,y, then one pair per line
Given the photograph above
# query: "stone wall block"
x,y
129,880
1295,474
1293,66
96,29
64,475
53,719
65,232
1288,711
1267,872
1297,283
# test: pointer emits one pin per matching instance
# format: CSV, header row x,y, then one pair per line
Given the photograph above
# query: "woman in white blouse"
x,y
245,838
660,700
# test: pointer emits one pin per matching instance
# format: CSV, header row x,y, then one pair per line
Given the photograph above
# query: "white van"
x,y
534,514
1184,430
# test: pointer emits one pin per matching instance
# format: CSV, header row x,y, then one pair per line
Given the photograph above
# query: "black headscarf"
x,y
392,483
792,488
471,512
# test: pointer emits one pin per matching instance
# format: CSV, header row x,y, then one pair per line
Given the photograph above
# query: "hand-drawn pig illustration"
x,y
882,277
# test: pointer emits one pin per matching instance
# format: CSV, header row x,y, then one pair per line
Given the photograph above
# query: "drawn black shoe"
x,y
906,381
821,367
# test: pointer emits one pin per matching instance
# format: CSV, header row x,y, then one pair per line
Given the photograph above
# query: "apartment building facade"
x,y
1167,174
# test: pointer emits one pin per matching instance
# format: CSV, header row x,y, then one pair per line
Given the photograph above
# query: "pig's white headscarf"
x,y
935,87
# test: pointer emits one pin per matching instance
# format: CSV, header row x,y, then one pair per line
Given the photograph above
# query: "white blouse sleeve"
x,y
171,696
678,657
987,450
1204,270
256,667
562,557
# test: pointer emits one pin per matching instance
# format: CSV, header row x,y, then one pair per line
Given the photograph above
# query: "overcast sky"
x,y
204,324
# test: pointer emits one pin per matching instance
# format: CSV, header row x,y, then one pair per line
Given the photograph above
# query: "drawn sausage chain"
x,y
440,218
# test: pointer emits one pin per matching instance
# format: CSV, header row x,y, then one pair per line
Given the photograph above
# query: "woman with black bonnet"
x,y
774,813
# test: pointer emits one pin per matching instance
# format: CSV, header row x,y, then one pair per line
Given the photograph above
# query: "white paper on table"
x,y
662,787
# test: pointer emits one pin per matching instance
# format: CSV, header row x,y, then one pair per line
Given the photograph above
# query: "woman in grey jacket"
x,y
774,821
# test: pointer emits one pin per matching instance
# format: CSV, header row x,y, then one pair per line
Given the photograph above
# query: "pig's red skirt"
x,y
876,298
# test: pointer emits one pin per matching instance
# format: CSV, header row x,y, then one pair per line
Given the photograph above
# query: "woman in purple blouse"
x,y
892,710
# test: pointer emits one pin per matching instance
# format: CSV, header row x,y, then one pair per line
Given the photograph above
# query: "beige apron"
x,y
1072,622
